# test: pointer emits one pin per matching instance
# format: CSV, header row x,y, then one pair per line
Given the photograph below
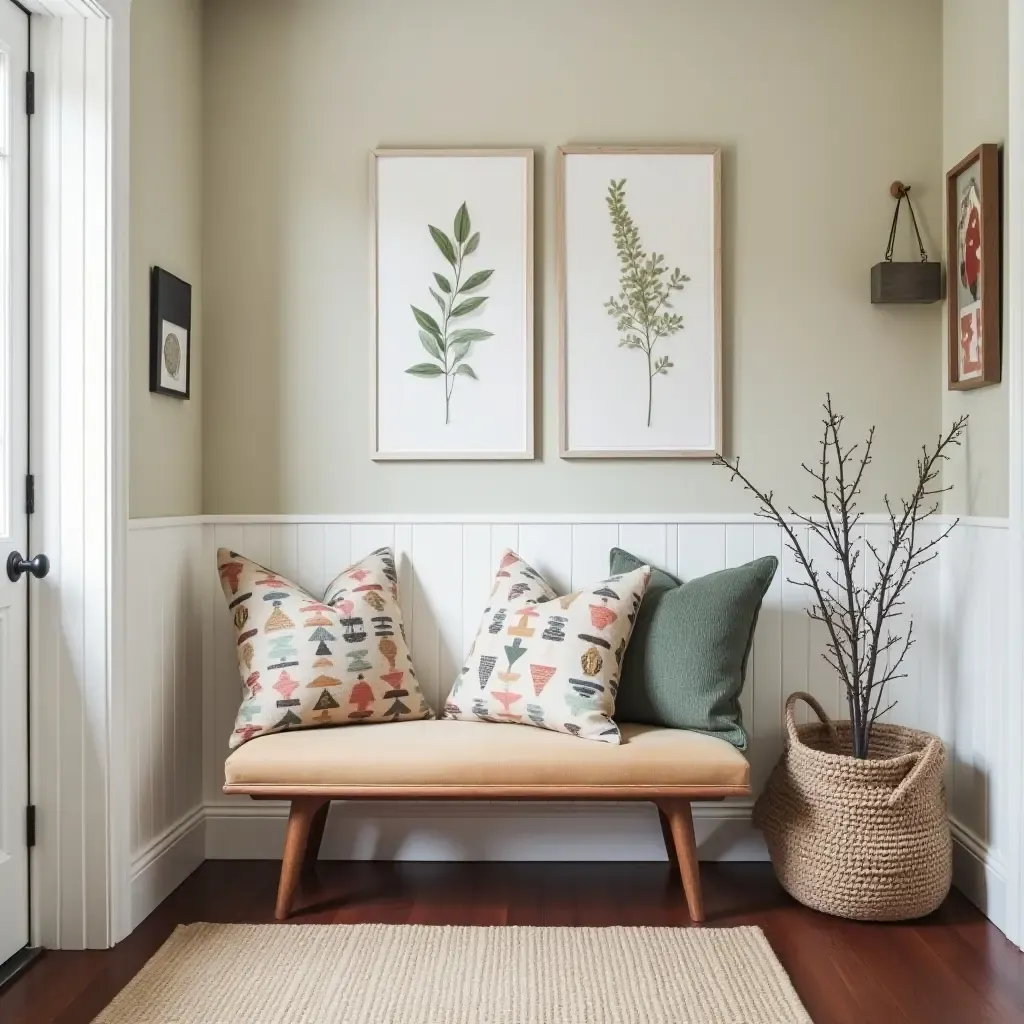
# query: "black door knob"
x,y
16,565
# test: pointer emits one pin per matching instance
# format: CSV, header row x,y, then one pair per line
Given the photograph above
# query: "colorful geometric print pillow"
x,y
305,662
518,582
554,662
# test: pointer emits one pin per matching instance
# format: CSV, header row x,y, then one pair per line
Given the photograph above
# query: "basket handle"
x,y
816,708
924,760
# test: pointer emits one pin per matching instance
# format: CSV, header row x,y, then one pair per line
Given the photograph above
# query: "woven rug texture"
x,y
423,974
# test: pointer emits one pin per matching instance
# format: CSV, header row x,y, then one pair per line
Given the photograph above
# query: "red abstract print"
x,y
969,239
970,342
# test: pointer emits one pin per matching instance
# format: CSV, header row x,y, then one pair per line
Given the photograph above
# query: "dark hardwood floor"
x,y
950,968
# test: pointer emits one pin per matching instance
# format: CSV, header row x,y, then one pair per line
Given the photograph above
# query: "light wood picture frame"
x,y
974,270
636,378
452,258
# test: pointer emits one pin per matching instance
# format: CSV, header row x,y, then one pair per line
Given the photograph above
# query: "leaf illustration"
x,y
640,309
431,344
444,243
440,340
469,334
475,280
458,351
469,305
426,321
462,224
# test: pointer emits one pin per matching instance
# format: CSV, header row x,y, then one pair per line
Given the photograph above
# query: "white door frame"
x,y
14,854
1013,196
79,344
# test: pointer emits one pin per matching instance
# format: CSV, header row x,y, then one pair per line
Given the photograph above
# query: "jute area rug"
x,y
420,974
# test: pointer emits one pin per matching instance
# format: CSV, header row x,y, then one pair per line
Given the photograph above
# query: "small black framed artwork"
x,y
170,328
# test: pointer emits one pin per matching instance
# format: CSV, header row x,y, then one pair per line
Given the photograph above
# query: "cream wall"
x,y
166,114
975,90
818,106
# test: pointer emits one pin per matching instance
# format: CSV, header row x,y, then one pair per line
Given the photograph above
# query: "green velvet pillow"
x,y
687,657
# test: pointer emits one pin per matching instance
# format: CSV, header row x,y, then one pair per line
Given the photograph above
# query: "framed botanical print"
x,y
973,272
170,328
640,301
452,304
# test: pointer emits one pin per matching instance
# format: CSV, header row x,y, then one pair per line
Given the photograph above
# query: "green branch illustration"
x,y
446,345
640,309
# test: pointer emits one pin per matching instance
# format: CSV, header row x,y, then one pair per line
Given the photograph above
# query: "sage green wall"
x,y
166,446
975,91
818,105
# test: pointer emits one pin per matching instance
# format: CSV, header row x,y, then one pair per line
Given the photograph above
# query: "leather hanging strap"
x,y
901,192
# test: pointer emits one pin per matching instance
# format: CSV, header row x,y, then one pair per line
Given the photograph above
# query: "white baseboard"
x,y
458,831
159,869
979,875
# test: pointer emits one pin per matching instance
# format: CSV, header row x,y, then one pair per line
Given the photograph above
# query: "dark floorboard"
x,y
950,968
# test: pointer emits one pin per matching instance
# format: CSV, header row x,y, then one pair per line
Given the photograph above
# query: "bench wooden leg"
x,y
680,824
301,819
316,835
670,843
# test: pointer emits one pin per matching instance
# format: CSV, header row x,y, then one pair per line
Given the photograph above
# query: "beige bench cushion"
x,y
477,755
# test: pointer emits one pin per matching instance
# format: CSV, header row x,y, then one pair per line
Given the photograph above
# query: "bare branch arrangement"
x,y
859,604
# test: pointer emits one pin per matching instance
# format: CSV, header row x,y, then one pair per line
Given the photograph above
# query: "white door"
x,y
14,932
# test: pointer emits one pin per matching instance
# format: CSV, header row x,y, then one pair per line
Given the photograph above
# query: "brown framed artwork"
x,y
639,269
973,270
452,304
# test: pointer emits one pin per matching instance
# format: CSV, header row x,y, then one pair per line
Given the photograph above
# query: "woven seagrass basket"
x,y
860,838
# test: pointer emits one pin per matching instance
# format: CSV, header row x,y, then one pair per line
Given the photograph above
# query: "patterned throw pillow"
x,y
550,661
305,662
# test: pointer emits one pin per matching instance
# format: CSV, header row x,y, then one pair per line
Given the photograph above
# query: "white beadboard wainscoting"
x,y
185,679
971,696
167,580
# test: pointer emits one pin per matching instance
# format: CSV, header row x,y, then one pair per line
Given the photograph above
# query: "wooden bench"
x,y
456,760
